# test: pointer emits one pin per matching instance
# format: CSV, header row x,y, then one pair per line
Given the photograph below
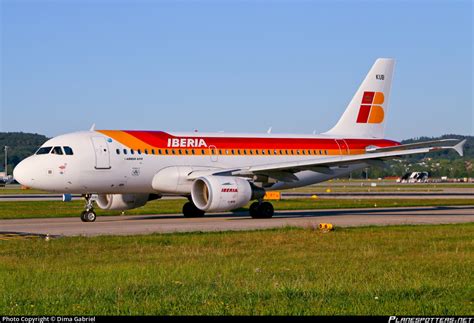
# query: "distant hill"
x,y
24,144
20,145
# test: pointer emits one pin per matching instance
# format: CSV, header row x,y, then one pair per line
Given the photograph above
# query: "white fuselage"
x,y
99,164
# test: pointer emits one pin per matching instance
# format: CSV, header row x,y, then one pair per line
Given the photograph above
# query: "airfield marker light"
x,y
325,227
314,196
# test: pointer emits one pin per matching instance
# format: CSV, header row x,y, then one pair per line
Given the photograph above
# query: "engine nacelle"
x,y
122,201
223,193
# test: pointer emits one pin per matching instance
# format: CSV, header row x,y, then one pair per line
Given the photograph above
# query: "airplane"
x,y
125,169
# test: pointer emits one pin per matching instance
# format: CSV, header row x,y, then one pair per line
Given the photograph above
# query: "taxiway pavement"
x,y
146,224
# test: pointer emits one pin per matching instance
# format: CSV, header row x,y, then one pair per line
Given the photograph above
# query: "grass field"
x,y
404,270
48,209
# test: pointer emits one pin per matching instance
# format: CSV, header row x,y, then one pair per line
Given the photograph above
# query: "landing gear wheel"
x,y
88,216
191,211
83,216
261,210
253,209
266,210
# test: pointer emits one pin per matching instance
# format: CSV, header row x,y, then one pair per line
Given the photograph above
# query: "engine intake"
x,y
223,193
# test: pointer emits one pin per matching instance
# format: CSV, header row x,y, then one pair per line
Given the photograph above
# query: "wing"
x,y
374,156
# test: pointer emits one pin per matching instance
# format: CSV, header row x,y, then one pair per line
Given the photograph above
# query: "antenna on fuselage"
x,y
92,127
269,130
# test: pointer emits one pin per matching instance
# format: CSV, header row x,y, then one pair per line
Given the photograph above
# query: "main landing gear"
x,y
88,215
191,211
261,210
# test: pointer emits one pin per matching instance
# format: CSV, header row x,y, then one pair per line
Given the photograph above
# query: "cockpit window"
x,y
68,150
57,151
43,151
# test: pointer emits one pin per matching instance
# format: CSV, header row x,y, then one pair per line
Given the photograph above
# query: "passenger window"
x,y
131,151
202,152
153,151
43,151
57,151
139,151
159,151
68,150
146,151
125,151
192,151
118,151
166,151
173,152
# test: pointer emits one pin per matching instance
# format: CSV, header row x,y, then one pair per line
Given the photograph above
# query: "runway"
x,y
146,224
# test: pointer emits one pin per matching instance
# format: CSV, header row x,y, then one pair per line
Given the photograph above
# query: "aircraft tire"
x,y
191,211
266,210
253,209
261,211
88,216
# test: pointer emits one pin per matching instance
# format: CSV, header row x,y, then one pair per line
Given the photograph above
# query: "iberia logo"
x,y
371,110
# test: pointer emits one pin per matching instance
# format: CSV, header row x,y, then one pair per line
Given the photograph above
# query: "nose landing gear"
x,y
88,215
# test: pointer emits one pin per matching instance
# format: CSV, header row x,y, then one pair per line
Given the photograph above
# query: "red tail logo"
x,y
371,110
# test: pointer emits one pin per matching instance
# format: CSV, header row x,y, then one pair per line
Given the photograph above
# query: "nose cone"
x,y
24,173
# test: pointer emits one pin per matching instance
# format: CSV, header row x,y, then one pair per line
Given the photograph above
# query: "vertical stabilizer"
x,y
366,113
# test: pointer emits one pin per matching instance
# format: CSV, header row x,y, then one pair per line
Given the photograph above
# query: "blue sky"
x,y
234,66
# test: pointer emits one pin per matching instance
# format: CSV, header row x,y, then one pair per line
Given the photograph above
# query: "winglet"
x,y
92,127
459,147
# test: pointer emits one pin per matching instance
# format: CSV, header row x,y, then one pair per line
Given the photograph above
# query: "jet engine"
x,y
223,193
123,201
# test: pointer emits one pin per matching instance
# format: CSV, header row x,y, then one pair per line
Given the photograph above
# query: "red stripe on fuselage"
x,y
159,139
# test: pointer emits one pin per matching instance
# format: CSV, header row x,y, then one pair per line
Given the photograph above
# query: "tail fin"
x,y
365,115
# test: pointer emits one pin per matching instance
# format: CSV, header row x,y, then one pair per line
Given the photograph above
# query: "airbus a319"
x,y
124,169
